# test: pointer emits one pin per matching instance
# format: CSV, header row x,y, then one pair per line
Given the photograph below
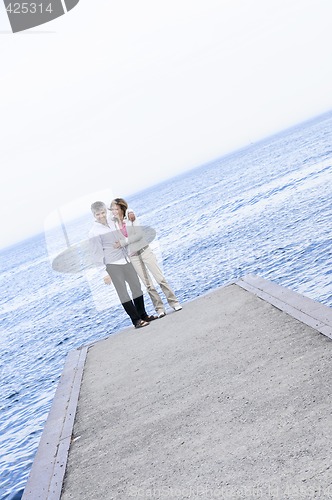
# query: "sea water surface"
x,y
265,209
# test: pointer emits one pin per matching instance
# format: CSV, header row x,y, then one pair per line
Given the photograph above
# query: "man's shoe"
x,y
162,314
140,323
177,308
149,318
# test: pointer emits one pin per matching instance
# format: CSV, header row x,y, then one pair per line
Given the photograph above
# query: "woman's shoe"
x,y
177,308
140,323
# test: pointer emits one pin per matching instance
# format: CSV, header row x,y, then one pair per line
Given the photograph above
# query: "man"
x,y
115,266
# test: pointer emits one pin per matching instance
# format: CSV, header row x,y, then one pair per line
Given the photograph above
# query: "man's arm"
x,y
131,215
97,257
107,280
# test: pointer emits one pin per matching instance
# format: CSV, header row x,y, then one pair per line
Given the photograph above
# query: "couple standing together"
x,y
121,252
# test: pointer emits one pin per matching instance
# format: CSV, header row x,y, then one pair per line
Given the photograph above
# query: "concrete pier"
x,y
228,398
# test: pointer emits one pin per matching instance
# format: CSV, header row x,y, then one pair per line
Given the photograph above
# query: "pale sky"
x,y
122,95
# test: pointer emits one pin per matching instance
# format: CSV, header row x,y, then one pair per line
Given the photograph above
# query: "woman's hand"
x,y
117,244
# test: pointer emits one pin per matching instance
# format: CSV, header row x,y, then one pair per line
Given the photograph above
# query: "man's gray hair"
x,y
97,206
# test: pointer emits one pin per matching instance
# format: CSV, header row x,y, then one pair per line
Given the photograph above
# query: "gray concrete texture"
x,y
228,398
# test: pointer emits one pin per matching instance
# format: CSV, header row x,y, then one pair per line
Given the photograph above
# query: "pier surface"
x,y
228,398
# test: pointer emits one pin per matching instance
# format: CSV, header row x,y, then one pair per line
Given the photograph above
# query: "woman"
x,y
131,235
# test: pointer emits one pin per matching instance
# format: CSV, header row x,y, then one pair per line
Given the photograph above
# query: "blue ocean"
x,y
265,209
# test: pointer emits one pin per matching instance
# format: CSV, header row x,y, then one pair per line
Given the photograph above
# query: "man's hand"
x,y
117,244
131,216
107,280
